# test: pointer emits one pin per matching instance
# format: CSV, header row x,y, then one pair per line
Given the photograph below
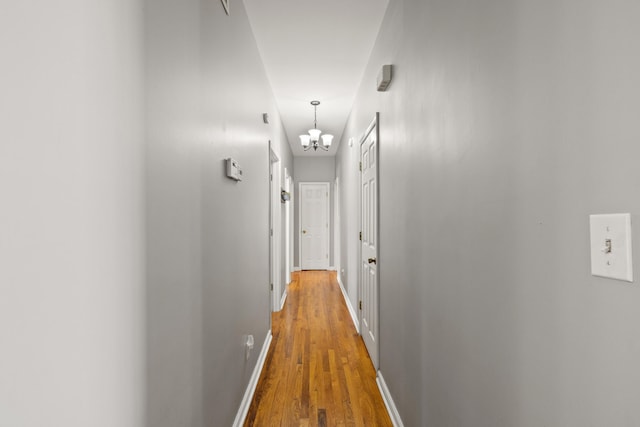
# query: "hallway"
x,y
317,372
138,275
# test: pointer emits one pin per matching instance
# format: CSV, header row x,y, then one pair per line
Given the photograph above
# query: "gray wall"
x,y
507,123
71,214
208,236
313,169
80,343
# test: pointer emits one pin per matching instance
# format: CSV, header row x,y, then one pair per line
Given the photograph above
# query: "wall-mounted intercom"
x,y
234,171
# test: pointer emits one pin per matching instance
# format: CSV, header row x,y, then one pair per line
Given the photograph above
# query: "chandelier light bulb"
x,y
315,135
305,140
327,139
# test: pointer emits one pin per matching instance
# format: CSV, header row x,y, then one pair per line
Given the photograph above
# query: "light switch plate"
x,y
611,246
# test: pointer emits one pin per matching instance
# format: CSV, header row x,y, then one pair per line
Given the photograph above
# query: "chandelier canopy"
x,y
312,140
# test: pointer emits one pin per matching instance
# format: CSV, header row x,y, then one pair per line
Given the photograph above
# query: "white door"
x,y
369,250
291,203
287,230
314,225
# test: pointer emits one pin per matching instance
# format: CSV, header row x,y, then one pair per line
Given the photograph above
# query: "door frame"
x,y
373,126
275,236
287,229
292,231
328,233
336,228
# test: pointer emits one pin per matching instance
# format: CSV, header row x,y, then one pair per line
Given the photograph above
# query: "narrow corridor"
x,y
317,372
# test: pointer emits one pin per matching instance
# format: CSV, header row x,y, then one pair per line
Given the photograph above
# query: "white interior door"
x,y
314,225
369,244
291,203
287,229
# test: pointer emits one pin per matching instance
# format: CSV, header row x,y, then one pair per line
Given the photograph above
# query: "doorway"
x,y
288,240
314,225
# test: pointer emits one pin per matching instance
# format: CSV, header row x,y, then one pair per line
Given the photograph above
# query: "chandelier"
x,y
312,140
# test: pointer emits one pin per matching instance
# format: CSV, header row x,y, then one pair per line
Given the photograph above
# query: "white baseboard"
x,y
283,299
253,382
388,401
352,312
297,269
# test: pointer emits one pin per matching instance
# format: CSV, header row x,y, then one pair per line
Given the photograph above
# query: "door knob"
x,y
373,261
304,231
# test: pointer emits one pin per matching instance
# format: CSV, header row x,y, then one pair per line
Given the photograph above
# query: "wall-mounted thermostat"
x,y
234,171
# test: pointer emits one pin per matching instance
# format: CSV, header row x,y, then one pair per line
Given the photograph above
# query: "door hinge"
x,y
360,236
270,177
271,232
360,166
360,305
271,286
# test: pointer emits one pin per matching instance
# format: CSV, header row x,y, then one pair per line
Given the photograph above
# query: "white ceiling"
x,y
315,50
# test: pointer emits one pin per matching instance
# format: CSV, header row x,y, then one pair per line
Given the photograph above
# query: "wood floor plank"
x,y
322,418
336,390
318,372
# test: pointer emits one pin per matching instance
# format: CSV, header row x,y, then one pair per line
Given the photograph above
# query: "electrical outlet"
x,y
249,346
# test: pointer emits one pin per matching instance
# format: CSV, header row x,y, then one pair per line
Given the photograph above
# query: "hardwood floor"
x,y
317,371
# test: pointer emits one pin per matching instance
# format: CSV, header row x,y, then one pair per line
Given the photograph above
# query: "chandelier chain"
x,y
315,116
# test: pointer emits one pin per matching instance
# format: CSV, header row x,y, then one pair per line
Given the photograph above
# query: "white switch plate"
x,y
616,264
